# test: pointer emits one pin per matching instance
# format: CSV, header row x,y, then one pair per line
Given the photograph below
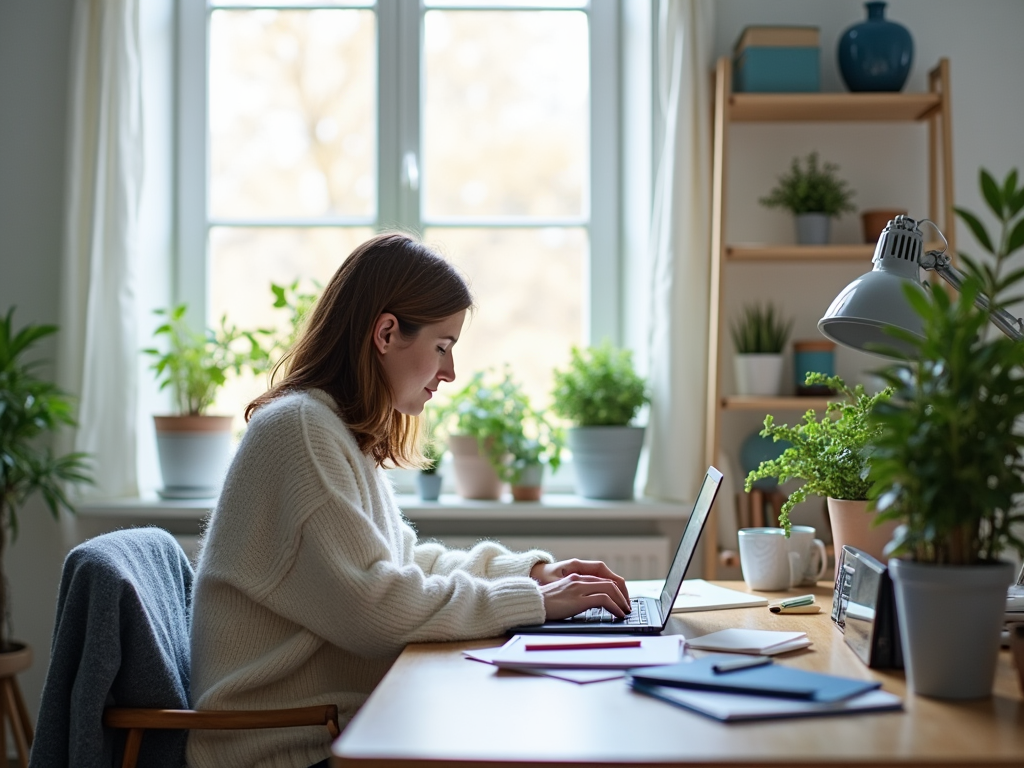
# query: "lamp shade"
x,y
862,311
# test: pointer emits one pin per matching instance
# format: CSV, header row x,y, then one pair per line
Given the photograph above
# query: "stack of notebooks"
x,y
776,59
731,687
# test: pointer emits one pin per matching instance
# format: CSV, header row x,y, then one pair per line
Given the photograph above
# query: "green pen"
x,y
795,601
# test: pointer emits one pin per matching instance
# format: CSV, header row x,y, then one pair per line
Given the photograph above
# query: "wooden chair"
x,y
137,721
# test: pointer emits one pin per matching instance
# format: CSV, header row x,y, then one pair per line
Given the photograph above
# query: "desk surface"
x,y
436,707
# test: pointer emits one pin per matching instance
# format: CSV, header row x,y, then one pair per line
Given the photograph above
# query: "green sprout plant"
x,y
599,387
831,454
811,187
760,331
538,442
949,459
195,364
491,408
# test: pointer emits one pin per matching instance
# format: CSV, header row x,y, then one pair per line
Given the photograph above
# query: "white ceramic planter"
x,y
950,620
429,485
812,228
194,455
758,374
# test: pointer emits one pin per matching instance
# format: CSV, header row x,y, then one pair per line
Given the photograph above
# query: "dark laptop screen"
x,y
688,544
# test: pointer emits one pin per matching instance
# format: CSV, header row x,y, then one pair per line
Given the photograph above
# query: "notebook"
x,y
650,615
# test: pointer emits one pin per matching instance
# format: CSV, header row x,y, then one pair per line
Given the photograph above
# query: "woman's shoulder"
x,y
302,415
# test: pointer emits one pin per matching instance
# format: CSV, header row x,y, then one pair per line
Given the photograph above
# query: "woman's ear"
x,y
384,331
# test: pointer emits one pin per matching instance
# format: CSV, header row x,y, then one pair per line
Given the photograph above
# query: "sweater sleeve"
x,y
487,559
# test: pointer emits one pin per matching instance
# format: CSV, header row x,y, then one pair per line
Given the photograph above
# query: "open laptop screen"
x,y
688,543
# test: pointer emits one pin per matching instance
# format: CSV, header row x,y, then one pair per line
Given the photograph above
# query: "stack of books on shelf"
x,y
777,59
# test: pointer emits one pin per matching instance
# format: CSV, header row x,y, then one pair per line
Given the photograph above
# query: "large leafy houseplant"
x,y
948,463
832,453
31,409
489,408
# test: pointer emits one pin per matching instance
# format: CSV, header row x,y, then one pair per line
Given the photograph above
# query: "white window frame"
x,y
399,29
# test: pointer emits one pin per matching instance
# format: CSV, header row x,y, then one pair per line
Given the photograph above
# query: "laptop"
x,y
649,616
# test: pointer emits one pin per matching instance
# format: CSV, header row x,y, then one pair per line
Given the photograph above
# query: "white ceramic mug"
x,y
811,551
766,560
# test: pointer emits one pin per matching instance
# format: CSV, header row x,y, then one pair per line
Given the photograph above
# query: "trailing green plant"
x,y
491,408
831,454
949,461
195,365
811,188
433,444
31,409
298,303
599,387
761,331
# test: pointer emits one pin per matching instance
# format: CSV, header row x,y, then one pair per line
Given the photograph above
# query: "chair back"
x,y
121,639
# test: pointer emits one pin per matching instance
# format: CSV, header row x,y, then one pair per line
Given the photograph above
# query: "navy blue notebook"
x,y
768,680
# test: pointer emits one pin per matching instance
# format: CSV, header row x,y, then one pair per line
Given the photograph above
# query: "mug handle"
x,y
819,545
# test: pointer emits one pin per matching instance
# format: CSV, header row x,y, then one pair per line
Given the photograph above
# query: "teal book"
x,y
777,70
765,680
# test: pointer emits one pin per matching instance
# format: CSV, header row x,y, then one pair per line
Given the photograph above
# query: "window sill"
x,y
553,506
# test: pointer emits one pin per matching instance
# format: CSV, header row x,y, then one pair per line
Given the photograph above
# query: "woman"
x,y
310,582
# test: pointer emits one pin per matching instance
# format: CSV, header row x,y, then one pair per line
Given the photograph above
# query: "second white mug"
x,y
813,558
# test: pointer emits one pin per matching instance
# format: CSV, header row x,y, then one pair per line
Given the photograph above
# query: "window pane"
x,y
292,113
286,3
528,289
243,264
505,113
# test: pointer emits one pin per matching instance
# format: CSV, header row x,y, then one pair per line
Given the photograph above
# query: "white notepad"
x,y
766,642
653,650
697,595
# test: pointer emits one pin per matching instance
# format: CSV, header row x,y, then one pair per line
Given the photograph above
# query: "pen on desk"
x,y
732,666
793,601
582,646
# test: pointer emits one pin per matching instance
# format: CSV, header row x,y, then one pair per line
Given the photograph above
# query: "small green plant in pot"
x,y
194,447
949,462
537,445
482,420
32,409
429,479
832,454
814,193
759,336
600,393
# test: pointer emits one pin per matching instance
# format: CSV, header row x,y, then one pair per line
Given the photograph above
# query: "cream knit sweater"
x,y
310,583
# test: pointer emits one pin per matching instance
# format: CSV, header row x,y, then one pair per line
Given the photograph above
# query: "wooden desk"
x,y
436,707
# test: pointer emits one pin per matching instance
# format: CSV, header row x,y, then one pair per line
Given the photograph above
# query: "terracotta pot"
x,y
475,478
852,523
874,222
528,487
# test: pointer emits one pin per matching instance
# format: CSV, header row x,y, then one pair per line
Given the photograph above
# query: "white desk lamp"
x,y
860,313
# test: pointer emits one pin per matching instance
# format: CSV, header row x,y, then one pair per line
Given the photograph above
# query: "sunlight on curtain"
x,y
98,349
680,241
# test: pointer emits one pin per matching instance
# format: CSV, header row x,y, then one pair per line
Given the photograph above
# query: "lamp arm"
x,y
938,261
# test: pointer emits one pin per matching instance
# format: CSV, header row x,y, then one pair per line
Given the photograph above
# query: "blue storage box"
x,y
776,69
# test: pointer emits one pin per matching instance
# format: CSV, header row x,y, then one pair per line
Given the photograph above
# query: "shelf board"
x,y
842,252
773,404
832,107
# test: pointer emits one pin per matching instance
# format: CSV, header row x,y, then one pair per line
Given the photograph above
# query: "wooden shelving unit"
x,y
931,108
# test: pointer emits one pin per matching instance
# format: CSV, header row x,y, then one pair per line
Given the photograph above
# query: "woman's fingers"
x,y
575,593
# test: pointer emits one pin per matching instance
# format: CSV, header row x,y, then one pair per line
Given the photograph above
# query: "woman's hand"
x,y
571,586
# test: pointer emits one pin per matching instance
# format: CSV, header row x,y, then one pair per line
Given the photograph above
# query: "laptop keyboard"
x,y
592,615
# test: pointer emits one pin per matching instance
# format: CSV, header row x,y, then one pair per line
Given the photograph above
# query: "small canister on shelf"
x,y
813,356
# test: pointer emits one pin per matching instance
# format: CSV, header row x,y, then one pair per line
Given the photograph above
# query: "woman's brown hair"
x,y
393,273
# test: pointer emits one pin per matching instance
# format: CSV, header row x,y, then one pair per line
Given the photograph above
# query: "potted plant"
x,y
949,464
482,419
814,194
537,444
194,447
832,455
759,337
32,409
600,393
429,478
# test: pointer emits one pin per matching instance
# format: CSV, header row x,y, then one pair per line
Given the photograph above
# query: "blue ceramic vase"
x,y
876,54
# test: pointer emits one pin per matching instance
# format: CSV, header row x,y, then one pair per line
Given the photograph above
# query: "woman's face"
x,y
415,367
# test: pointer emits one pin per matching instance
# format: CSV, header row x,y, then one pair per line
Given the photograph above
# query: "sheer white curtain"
x,y
680,242
98,349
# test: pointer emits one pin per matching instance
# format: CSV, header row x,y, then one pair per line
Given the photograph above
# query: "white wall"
x,y
981,38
